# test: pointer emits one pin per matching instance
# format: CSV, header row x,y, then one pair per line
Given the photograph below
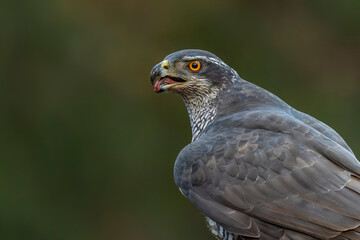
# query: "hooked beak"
x,y
162,80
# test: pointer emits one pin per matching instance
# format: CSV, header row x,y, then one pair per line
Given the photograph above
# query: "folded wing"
x,y
275,170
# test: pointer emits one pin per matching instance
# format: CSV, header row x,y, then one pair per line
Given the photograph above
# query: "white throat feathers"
x,y
202,109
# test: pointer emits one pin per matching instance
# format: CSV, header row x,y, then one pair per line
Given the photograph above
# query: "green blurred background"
x,y
87,149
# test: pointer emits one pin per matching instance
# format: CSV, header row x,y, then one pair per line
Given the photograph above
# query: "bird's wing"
x,y
272,168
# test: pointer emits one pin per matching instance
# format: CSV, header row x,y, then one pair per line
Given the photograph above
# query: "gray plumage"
x,y
256,167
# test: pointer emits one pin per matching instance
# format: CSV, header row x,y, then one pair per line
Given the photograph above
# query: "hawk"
x,y
256,167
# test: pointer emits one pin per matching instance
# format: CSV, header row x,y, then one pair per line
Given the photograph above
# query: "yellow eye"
x,y
195,66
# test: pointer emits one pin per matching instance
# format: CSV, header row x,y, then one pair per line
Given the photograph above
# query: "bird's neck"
x,y
202,110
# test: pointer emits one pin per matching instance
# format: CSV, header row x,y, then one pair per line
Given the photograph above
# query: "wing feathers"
x,y
294,223
233,221
351,235
345,202
297,180
311,212
354,184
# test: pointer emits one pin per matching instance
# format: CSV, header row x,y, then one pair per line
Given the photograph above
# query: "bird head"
x,y
191,72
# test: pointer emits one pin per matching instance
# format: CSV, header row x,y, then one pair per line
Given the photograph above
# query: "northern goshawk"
x,y
256,167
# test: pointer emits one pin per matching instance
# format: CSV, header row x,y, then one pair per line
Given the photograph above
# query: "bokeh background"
x,y
87,149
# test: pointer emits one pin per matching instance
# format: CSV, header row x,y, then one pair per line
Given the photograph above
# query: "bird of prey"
x,y
256,167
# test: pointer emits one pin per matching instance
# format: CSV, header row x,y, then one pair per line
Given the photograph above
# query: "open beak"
x,y
166,83
162,80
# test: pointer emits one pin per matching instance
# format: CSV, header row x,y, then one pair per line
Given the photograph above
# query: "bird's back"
x,y
275,168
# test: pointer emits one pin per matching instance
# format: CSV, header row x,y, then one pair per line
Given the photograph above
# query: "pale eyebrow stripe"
x,y
188,58
209,59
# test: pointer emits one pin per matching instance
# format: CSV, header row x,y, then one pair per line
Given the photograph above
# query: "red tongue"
x,y
165,80
157,86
